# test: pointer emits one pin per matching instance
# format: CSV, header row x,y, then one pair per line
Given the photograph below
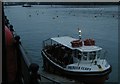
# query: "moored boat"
x,y
26,5
77,58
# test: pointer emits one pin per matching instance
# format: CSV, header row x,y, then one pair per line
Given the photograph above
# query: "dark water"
x,y
38,23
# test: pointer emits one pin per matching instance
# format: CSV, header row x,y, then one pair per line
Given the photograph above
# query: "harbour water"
x,y
37,23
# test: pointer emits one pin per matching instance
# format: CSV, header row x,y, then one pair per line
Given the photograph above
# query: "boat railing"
x,y
46,42
102,54
27,70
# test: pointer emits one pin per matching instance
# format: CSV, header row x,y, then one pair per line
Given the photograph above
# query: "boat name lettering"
x,y
76,67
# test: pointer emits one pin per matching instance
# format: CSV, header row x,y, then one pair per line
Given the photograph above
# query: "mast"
x,y
80,37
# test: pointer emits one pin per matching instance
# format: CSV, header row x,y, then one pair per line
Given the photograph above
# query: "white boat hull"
x,y
97,77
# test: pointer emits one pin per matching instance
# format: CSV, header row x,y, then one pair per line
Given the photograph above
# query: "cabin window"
x,y
98,54
85,55
77,54
92,55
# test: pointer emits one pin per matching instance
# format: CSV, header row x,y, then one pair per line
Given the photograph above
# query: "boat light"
x,y
80,33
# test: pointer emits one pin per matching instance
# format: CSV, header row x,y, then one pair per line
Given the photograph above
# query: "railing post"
x,y
19,73
34,76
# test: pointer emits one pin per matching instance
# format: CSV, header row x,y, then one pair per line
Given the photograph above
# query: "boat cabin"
x,y
60,47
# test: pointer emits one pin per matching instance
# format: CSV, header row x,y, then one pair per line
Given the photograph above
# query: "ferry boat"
x,y
80,59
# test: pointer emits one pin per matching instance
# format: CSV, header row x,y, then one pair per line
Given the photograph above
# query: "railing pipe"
x,y
34,67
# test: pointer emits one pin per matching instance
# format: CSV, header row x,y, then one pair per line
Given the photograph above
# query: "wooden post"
x,y
34,76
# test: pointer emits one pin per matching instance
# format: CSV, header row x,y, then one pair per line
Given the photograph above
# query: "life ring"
x,y
76,43
89,42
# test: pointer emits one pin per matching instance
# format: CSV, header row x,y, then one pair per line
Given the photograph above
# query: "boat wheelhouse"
x,y
80,59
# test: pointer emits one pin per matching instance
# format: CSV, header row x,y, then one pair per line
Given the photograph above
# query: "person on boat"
x,y
68,58
65,58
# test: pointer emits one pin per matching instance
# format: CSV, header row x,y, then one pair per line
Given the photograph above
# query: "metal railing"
x,y
29,70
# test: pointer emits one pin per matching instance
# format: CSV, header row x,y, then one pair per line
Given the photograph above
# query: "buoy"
x,y
29,15
53,17
113,16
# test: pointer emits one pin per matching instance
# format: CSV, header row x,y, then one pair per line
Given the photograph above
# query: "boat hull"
x,y
86,77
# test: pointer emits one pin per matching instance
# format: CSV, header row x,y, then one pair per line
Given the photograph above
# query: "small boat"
x,y
80,59
26,5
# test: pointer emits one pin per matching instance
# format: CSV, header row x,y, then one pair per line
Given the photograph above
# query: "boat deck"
x,y
48,77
